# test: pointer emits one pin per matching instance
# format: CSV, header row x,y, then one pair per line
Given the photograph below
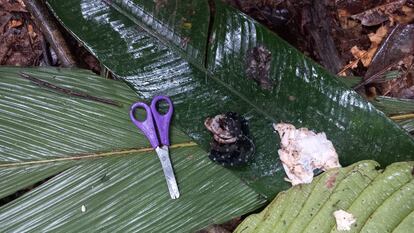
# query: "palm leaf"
x,y
379,200
197,53
73,128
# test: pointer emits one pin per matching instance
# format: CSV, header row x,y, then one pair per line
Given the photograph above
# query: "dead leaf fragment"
x,y
358,53
377,37
15,23
379,14
31,32
406,15
21,3
344,19
366,55
344,220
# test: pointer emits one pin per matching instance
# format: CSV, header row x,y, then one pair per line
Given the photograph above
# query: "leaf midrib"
x,y
95,155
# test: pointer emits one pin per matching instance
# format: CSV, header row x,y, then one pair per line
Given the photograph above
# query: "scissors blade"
x,y
163,155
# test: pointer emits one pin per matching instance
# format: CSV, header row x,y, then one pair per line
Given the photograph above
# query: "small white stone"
x,y
344,220
83,208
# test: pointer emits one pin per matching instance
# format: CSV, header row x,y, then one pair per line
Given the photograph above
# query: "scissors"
x,y
162,123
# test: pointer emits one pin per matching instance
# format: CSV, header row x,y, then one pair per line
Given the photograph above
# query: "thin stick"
x,y
51,31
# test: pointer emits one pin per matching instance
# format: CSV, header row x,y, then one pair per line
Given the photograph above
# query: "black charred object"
x,y
231,145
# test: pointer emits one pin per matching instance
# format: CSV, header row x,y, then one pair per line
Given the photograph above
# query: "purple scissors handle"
x,y
162,122
146,126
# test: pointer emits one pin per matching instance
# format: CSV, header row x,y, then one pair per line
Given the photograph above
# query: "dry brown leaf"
x,y
31,32
343,13
363,55
377,37
406,17
358,53
366,61
345,21
379,14
366,55
21,3
14,23
12,6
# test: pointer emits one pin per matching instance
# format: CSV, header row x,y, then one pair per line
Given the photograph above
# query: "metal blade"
x,y
163,155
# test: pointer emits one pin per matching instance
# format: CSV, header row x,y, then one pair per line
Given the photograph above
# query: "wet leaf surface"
x,y
141,45
99,172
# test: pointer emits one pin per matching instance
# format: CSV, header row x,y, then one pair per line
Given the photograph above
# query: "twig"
x,y
68,91
51,31
403,117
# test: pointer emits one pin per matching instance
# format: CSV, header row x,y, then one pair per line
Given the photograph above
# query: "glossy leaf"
x,y
143,43
379,200
73,128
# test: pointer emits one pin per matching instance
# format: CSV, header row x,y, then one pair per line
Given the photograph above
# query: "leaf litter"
x,y
20,41
359,30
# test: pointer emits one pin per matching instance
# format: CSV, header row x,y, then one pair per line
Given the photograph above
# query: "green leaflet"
x,y
350,81
392,106
380,201
150,45
407,125
72,127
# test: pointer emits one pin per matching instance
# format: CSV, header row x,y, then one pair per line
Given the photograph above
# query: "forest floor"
x,y
370,39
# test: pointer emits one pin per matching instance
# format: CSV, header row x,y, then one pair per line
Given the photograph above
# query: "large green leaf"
x,y
73,128
179,48
380,201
